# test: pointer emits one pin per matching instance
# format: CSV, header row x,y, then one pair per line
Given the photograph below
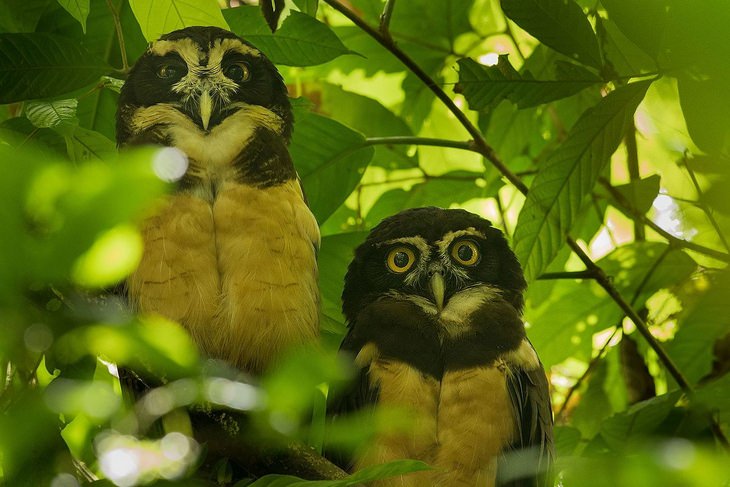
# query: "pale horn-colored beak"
x,y
437,289
206,108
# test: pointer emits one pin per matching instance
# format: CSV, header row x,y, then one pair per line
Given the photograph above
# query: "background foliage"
x,y
594,132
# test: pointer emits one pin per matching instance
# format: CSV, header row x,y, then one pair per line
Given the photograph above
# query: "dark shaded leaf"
x,y
568,175
43,66
706,108
301,41
560,24
272,10
330,159
640,193
639,420
642,22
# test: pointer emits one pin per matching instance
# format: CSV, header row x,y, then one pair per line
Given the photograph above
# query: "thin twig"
x,y
579,382
408,140
385,18
627,209
120,35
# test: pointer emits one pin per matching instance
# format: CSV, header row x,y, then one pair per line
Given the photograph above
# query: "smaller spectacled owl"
x,y
433,301
231,253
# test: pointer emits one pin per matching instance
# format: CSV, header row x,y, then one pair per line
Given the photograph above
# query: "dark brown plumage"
x,y
433,300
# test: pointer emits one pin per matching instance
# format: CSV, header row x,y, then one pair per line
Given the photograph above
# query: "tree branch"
x,y
481,145
385,18
549,276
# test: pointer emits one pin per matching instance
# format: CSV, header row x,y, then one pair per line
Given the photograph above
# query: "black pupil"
x,y
465,253
401,260
235,72
168,72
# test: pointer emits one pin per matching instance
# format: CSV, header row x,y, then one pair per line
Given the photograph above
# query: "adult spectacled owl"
x,y
231,254
433,300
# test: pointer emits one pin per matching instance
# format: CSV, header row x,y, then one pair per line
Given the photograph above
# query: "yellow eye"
x,y
400,259
465,252
238,72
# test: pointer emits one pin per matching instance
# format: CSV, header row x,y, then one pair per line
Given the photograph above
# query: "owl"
x,y
433,300
231,253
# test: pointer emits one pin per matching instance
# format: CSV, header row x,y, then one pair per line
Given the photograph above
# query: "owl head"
x,y
206,73
433,253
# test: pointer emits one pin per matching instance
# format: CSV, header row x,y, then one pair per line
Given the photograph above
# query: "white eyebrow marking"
x,y
446,241
418,242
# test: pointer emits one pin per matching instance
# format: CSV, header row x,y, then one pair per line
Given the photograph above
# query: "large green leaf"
x,y
330,159
21,15
157,17
370,117
699,327
44,65
483,86
49,114
642,22
563,325
440,22
639,420
568,175
560,24
335,255
300,41
79,9
706,108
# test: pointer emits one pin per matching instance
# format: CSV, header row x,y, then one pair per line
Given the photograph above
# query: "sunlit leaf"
x,y
52,113
485,85
300,41
564,325
44,65
79,9
157,17
568,175
699,326
113,256
330,159
309,7
560,24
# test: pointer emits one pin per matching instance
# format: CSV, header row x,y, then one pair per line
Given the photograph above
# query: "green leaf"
x,y
567,440
370,117
300,41
706,108
157,17
44,65
715,395
335,255
568,175
367,474
308,7
639,420
563,326
49,114
641,193
83,144
446,190
441,22
79,9
642,22
560,24
699,327
483,86
330,159
21,15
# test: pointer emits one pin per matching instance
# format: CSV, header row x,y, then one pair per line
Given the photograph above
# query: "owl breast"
x,y
233,262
